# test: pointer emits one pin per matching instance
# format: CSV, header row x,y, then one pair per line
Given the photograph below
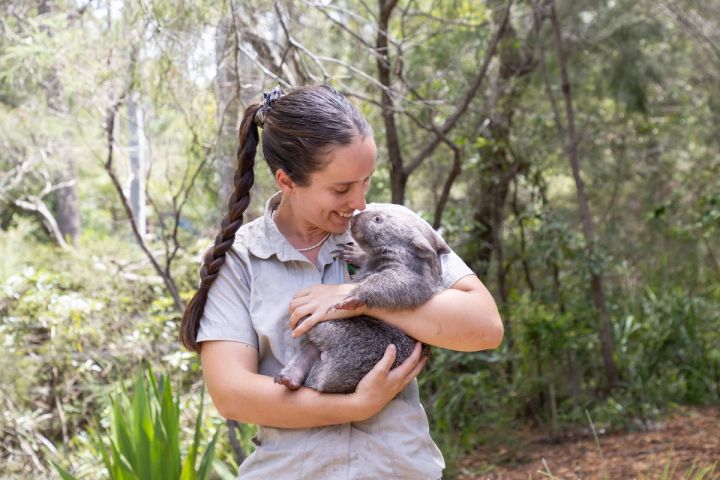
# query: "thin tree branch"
x,y
449,181
342,26
109,131
292,41
467,98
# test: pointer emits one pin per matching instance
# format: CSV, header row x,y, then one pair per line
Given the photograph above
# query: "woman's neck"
x,y
300,234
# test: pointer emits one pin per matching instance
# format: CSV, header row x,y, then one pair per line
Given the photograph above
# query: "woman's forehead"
x,y
349,163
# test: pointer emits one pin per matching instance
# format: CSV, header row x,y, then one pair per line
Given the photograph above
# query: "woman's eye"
x,y
341,192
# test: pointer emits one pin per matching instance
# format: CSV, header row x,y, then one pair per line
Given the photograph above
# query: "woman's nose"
x,y
357,201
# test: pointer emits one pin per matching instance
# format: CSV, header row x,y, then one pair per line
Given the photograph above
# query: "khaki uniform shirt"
x,y
248,303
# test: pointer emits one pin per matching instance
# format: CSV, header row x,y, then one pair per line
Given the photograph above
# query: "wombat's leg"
x,y
337,372
294,373
390,292
352,254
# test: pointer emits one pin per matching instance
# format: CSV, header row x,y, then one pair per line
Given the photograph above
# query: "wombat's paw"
x,y
290,383
350,253
342,248
350,303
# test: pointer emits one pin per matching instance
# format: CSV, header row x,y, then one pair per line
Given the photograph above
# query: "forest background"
x,y
568,151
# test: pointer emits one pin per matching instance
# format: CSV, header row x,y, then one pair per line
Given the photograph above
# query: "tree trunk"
x,y
137,156
596,280
500,169
66,212
398,176
523,240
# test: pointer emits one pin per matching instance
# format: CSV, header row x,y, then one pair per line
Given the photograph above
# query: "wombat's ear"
x,y
430,242
429,247
440,245
423,247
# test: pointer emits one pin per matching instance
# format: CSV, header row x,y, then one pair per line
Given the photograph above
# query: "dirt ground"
x,y
679,447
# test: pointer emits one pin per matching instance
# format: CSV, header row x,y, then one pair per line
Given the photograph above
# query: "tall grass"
x,y
143,439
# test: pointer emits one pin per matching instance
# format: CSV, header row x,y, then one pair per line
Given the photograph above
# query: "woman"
x,y
278,269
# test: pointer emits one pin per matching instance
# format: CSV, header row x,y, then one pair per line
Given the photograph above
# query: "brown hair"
x,y
298,129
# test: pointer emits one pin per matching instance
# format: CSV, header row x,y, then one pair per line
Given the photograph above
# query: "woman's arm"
x,y
240,393
463,317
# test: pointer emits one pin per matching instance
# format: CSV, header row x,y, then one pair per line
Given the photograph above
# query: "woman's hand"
x,y
317,304
381,384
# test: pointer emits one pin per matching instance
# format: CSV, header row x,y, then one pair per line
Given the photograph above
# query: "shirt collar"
x,y
265,239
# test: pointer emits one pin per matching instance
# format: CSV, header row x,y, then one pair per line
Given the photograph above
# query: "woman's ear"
x,y
283,181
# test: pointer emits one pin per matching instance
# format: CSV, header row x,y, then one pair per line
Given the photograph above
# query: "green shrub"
x,y
143,439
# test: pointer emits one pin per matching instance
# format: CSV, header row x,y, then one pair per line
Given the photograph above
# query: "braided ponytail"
x,y
238,203
297,129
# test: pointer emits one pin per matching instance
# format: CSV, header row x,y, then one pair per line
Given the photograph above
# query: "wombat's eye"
x,y
377,219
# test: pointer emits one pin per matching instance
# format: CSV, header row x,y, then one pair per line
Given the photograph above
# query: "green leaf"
x,y
64,474
188,468
122,433
198,423
207,458
97,440
142,429
223,471
171,419
122,469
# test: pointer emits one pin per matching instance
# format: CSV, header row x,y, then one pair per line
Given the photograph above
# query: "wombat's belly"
x,y
350,348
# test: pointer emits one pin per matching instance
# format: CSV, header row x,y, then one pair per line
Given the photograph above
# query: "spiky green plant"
x,y
143,438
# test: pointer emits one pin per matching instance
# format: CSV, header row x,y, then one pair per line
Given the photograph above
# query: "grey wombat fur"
x,y
398,256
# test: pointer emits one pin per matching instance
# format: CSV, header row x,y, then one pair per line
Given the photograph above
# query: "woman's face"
x,y
336,191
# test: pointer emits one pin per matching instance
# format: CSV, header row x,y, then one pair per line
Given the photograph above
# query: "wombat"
x,y
399,269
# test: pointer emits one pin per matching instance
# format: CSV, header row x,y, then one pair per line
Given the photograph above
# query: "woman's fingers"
x,y
294,303
416,371
383,383
386,362
406,367
306,324
299,313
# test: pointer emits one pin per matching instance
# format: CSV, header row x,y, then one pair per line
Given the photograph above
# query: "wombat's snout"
x,y
355,225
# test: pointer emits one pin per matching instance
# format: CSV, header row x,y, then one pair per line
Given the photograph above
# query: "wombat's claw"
x,y
349,303
290,383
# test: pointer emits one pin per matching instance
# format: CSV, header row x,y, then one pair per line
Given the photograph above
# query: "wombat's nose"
x,y
357,217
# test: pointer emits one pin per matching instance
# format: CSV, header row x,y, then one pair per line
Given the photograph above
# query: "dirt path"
x,y
690,438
